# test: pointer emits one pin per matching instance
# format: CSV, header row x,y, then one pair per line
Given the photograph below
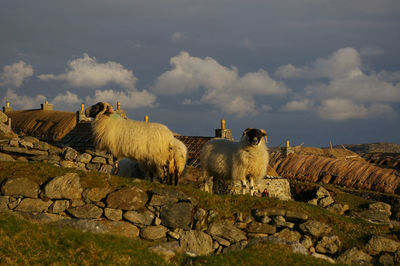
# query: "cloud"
x,y
221,86
177,36
19,102
345,62
249,44
14,75
344,109
68,99
128,99
298,105
347,92
87,72
370,51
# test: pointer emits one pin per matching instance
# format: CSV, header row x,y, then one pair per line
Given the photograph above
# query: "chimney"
x,y
7,108
46,106
223,132
81,116
287,149
146,118
120,111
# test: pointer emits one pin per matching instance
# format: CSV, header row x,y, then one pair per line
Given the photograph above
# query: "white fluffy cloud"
x,y
87,72
68,99
14,75
221,86
178,36
347,92
345,62
128,99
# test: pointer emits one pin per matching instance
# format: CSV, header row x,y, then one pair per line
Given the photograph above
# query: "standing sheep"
x,y
230,161
129,168
150,144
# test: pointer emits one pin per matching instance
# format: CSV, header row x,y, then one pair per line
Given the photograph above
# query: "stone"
x,y
21,187
354,256
87,211
172,193
329,245
6,158
289,235
296,247
153,232
264,219
105,168
381,206
338,208
200,214
120,228
306,241
221,241
378,244
323,257
137,218
177,215
13,202
41,145
59,206
313,202
268,212
280,221
4,203
196,242
373,216
276,187
64,187
77,203
33,205
157,221
256,227
296,216
127,198
24,151
70,154
22,159
386,259
95,194
159,200
42,217
321,192
235,247
98,159
84,158
226,230
113,214
26,144
53,150
315,228
30,139
68,164
174,235
325,202
93,166
212,215
14,142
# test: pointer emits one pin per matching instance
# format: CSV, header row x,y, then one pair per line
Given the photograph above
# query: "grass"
x,y
25,243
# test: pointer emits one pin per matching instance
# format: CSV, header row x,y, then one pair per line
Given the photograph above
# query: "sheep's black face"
x,y
93,110
254,135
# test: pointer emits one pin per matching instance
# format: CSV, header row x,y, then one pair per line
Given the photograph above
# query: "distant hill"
x,y
383,147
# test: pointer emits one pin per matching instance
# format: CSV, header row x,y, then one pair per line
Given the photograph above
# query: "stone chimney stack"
x,y
7,108
120,111
146,118
46,106
223,132
80,115
287,149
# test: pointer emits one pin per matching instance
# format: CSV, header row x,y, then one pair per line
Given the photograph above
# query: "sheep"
x,y
150,144
178,162
129,168
231,161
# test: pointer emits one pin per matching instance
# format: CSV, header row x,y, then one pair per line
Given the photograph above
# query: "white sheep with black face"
x,y
245,161
149,144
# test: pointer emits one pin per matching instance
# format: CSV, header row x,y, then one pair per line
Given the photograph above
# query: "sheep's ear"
x,y
263,132
246,131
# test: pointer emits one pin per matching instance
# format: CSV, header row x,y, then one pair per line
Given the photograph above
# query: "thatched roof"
x,y
47,125
353,173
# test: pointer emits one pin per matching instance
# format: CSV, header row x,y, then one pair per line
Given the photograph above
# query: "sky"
x,y
314,72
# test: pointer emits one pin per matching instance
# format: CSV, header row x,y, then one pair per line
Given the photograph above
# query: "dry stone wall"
x,y
32,149
177,220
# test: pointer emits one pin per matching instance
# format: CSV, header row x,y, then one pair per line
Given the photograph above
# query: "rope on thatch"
x,y
338,171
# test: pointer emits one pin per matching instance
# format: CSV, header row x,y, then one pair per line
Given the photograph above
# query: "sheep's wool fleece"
x,y
180,156
147,143
226,159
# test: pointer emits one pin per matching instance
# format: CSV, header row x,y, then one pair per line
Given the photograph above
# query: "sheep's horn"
x,y
246,130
